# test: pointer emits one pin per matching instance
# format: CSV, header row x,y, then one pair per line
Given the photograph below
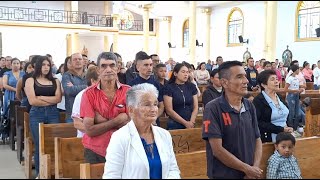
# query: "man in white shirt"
x,y
219,60
316,77
92,78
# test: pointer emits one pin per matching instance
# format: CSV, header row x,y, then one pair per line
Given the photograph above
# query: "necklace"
x,y
184,99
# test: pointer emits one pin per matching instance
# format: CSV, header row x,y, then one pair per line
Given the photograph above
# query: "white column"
x,y
192,32
146,9
208,11
271,28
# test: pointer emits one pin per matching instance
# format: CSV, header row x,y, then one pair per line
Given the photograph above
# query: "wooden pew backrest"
x,y
193,165
91,171
69,154
47,133
307,153
187,140
312,126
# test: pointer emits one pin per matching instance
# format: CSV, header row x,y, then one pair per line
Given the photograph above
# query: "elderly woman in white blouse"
x,y
140,150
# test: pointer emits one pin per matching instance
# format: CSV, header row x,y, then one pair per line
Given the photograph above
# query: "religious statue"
x,y
84,51
287,57
246,56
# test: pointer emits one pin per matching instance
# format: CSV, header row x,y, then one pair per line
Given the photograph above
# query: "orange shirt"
x,y
95,100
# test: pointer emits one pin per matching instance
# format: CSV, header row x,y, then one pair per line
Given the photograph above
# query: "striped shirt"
x,y
280,167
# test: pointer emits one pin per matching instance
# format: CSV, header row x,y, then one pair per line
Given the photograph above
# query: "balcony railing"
x,y
136,25
54,16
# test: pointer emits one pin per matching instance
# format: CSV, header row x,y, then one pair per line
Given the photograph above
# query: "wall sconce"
x,y
241,40
197,43
170,45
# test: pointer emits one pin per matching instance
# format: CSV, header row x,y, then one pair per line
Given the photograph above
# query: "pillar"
x,y
271,28
69,44
192,32
168,19
108,8
207,12
116,34
106,44
75,43
146,9
71,6
157,30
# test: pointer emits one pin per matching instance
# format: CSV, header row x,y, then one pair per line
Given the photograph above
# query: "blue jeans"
x,y
294,110
46,115
172,124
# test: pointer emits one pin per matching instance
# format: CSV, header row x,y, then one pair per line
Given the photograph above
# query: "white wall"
x,y
302,51
254,28
94,45
91,7
56,5
22,42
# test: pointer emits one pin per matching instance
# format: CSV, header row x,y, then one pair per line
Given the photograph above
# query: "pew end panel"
x,y
91,171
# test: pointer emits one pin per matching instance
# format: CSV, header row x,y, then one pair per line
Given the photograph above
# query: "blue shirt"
x,y
154,160
151,80
280,167
279,114
182,98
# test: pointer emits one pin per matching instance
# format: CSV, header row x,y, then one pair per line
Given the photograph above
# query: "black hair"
x,y
153,55
142,56
176,69
305,64
26,66
285,136
160,65
83,55
294,68
34,60
201,65
218,58
38,67
49,55
213,72
15,59
224,68
106,56
91,74
118,55
59,69
188,65
264,76
266,63
65,64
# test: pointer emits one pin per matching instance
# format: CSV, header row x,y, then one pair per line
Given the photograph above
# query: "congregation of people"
x,y
116,109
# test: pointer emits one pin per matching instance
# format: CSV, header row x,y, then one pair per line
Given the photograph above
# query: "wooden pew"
x,y
164,120
69,154
187,140
12,133
47,133
19,114
309,86
312,126
202,88
306,152
29,147
193,165
91,171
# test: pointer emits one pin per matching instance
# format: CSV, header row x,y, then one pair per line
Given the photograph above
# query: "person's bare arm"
x,y
95,129
232,161
161,109
19,88
5,84
195,109
78,124
257,153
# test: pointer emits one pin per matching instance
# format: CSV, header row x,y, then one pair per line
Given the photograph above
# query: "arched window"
x,y
185,39
307,20
234,27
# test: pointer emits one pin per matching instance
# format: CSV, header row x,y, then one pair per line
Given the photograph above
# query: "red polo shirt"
x,y
95,100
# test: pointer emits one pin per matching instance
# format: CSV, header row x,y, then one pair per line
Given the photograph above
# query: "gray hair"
x,y
106,56
134,94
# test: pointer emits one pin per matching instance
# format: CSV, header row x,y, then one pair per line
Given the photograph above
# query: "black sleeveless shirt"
x,y
45,90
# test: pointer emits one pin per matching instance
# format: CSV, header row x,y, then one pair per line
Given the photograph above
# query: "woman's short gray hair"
x,y
135,92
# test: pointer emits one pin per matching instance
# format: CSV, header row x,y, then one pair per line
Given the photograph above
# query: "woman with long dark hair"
x,y
180,99
43,92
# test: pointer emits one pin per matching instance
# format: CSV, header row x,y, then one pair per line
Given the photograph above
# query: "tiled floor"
x,y
9,165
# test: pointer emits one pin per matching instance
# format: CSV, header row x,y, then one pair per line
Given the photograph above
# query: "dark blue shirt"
x,y
238,131
151,80
155,167
182,98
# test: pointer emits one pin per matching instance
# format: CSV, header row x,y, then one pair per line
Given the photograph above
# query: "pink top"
x,y
307,73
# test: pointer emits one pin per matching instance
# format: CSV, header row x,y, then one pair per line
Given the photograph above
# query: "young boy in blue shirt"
x,y
282,164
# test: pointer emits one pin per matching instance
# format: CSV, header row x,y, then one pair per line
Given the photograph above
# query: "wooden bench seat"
x,y
91,171
47,133
187,140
